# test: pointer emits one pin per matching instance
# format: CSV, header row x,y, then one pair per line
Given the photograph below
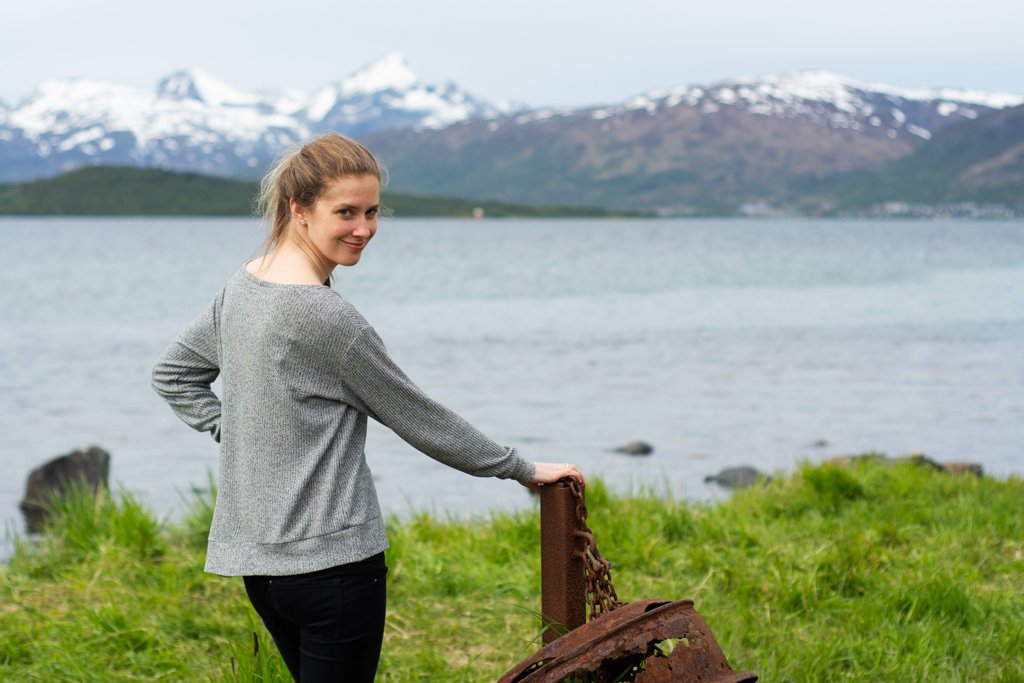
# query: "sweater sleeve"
x,y
184,373
423,423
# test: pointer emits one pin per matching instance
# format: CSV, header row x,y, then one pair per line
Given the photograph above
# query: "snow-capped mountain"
x,y
195,122
70,123
832,100
817,97
387,95
748,136
786,137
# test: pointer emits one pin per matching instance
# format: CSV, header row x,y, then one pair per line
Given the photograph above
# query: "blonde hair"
x,y
304,174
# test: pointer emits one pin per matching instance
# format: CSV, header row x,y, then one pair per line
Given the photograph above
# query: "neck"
x,y
306,258
295,262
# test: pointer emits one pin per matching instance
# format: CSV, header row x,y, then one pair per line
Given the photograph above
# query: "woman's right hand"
x,y
549,473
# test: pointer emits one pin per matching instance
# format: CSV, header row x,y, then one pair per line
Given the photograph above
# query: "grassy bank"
x,y
862,573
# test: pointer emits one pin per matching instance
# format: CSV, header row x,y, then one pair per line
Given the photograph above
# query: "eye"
x,y
372,212
345,212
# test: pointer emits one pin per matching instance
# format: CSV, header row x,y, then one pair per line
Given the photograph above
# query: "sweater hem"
x,y
297,557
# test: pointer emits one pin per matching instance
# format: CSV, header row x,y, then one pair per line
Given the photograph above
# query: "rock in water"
x,y
91,467
736,477
636,448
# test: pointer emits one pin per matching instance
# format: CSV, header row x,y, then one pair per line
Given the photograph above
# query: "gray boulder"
x,y
636,448
737,477
972,468
53,479
846,460
919,459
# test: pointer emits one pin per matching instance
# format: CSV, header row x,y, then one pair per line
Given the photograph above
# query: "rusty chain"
x,y
601,595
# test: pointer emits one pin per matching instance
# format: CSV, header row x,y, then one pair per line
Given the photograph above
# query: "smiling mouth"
x,y
354,246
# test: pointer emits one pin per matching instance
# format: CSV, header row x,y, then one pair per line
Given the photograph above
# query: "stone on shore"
x,y
973,468
53,479
919,459
636,448
737,477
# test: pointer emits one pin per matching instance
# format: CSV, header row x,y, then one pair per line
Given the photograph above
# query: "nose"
x,y
363,229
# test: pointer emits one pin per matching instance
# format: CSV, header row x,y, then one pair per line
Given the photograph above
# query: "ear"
x,y
298,213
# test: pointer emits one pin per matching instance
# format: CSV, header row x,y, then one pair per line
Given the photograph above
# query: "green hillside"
x,y
127,191
978,160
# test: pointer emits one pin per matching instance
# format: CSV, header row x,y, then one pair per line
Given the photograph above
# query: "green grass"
x,y
860,573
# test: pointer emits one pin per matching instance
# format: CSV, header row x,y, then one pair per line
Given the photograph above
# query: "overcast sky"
x,y
539,52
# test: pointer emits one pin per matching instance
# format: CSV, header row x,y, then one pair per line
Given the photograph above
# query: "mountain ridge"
x,y
694,149
791,138
194,122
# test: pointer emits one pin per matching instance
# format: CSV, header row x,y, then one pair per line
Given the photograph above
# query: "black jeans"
x,y
328,625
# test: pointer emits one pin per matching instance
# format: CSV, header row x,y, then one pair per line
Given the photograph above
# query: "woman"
x,y
297,514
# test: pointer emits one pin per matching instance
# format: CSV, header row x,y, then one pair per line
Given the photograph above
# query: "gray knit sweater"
x,y
302,370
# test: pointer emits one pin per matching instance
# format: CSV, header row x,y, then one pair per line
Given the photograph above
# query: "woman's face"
x,y
341,223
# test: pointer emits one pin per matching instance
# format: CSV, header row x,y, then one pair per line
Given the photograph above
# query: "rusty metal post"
x,y
563,582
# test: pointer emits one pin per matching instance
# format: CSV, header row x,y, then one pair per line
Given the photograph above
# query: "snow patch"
x,y
197,84
284,100
80,138
321,103
387,73
919,132
763,108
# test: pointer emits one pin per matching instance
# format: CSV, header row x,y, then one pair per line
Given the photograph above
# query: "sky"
x,y
540,53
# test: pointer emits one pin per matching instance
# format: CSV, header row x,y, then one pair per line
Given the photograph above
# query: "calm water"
x,y
721,342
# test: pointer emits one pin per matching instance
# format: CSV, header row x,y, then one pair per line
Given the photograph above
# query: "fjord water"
x,y
720,342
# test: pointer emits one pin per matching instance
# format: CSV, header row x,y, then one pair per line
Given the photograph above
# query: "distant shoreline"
x,y
128,191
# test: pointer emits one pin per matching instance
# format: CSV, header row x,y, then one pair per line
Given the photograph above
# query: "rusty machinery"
x,y
620,643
